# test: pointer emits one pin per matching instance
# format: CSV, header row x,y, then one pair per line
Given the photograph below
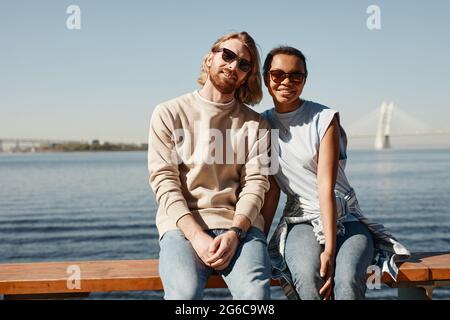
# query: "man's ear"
x,y
209,59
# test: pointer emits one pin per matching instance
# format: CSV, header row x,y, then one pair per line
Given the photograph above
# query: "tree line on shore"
x,y
94,146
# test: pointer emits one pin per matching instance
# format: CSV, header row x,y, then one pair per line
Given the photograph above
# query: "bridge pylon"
x,y
382,136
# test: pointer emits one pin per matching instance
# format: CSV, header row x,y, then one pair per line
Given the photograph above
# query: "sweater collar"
x,y
206,102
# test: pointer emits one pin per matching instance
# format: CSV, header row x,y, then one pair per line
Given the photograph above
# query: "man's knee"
x,y
182,290
252,291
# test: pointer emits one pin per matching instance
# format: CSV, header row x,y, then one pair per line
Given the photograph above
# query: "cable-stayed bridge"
x,y
379,125
389,121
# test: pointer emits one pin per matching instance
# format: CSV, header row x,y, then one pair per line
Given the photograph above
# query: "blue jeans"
x,y
184,275
354,253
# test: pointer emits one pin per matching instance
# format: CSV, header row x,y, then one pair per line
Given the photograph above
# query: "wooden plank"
x,y
412,270
100,276
425,266
438,264
96,276
130,275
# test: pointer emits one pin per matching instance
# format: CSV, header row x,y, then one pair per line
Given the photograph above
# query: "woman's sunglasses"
x,y
229,56
278,76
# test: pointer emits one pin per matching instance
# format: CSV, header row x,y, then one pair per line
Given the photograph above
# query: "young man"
x,y
208,155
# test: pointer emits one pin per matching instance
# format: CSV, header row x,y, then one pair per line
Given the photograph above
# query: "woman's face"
x,y
286,92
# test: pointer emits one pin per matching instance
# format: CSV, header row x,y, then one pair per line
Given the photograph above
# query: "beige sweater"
x,y
212,174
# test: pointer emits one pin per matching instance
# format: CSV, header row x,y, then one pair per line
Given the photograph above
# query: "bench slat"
x,y
131,275
439,265
97,276
412,270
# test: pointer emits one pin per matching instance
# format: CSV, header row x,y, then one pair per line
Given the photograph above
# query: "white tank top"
x,y
300,134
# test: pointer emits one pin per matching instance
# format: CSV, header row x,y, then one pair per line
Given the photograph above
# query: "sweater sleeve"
x,y
254,181
163,163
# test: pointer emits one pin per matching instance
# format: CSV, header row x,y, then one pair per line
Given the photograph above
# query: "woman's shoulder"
x,y
268,113
319,114
317,108
269,116
322,116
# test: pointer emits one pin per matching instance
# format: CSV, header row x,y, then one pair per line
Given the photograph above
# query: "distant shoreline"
x,y
74,151
94,146
351,149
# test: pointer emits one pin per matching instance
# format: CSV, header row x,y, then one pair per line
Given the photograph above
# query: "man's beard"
x,y
221,84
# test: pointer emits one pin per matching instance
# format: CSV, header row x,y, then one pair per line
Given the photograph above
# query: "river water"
x,y
92,206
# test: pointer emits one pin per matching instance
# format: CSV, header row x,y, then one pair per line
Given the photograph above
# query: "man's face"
x,y
227,76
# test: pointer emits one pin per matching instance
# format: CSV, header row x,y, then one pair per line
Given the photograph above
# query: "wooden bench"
x,y
418,276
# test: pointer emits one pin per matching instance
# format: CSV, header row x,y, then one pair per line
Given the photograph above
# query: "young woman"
x,y
323,245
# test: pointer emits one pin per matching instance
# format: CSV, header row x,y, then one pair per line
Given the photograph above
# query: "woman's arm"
x,y
270,204
326,180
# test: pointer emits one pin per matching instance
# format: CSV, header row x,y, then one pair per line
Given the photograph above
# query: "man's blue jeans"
x,y
184,275
354,253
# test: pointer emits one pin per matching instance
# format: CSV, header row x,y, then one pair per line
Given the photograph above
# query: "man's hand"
x,y
327,273
198,238
201,242
222,250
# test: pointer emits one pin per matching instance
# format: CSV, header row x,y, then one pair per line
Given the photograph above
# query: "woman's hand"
x,y
327,273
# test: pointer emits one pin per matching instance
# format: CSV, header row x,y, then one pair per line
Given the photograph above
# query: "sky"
x,y
102,81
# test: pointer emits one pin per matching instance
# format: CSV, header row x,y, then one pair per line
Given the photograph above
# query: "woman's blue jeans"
x,y
354,253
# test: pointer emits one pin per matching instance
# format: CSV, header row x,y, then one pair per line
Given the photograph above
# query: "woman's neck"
x,y
288,107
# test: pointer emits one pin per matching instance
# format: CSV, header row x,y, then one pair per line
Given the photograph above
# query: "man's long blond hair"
x,y
250,91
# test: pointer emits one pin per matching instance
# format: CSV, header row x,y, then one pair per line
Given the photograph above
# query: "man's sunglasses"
x,y
278,76
229,56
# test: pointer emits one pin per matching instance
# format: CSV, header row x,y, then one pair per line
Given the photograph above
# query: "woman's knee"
x,y
349,284
307,281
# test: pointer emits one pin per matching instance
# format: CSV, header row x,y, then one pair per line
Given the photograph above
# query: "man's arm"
x,y
254,178
270,204
164,176
165,180
254,184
